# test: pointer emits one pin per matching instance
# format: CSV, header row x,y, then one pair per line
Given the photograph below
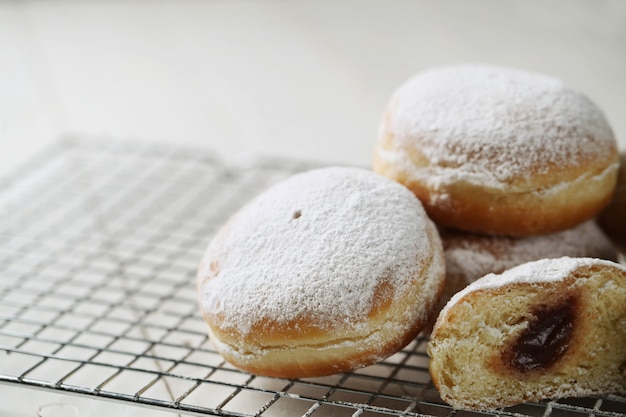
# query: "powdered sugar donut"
x,y
497,150
470,256
547,329
327,271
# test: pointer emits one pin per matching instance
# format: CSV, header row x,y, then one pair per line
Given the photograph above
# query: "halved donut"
x,y
547,329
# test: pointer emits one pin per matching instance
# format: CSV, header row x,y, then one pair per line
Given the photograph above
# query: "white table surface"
x,y
306,79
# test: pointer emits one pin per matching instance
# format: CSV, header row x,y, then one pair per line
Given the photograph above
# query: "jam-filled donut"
x,y
471,256
547,329
328,271
498,151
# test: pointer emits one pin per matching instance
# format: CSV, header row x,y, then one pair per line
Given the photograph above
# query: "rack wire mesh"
x,y
99,245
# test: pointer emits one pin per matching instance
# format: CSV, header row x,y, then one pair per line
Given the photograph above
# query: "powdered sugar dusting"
x,y
491,125
315,245
543,270
473,256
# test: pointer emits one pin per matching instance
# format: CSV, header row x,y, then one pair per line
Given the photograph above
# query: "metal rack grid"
x,y
99,244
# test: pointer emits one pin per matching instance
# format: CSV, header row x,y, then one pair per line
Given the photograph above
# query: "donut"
x,y
495,150
547,329
471,256
327,271
613,218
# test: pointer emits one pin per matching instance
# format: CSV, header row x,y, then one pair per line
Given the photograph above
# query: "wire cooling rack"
x,y
99,245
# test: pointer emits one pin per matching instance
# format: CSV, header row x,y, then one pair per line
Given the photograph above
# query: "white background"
x,y
300,79
303,79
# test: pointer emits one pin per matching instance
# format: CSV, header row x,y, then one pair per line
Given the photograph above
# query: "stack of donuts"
x,y
514,168
478,220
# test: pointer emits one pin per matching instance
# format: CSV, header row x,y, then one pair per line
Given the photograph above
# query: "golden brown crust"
x,y
557,199
498,151
302,348
613,218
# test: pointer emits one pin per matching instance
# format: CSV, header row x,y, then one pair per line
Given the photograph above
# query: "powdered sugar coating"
x,y
491,125
473,256
543,270
315,245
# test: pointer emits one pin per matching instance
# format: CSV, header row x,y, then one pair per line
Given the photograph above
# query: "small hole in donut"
x,y
297,214
214,267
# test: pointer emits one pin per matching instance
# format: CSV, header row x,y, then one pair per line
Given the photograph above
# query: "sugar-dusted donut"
x,y
497,150
546,329
328,271
471,256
